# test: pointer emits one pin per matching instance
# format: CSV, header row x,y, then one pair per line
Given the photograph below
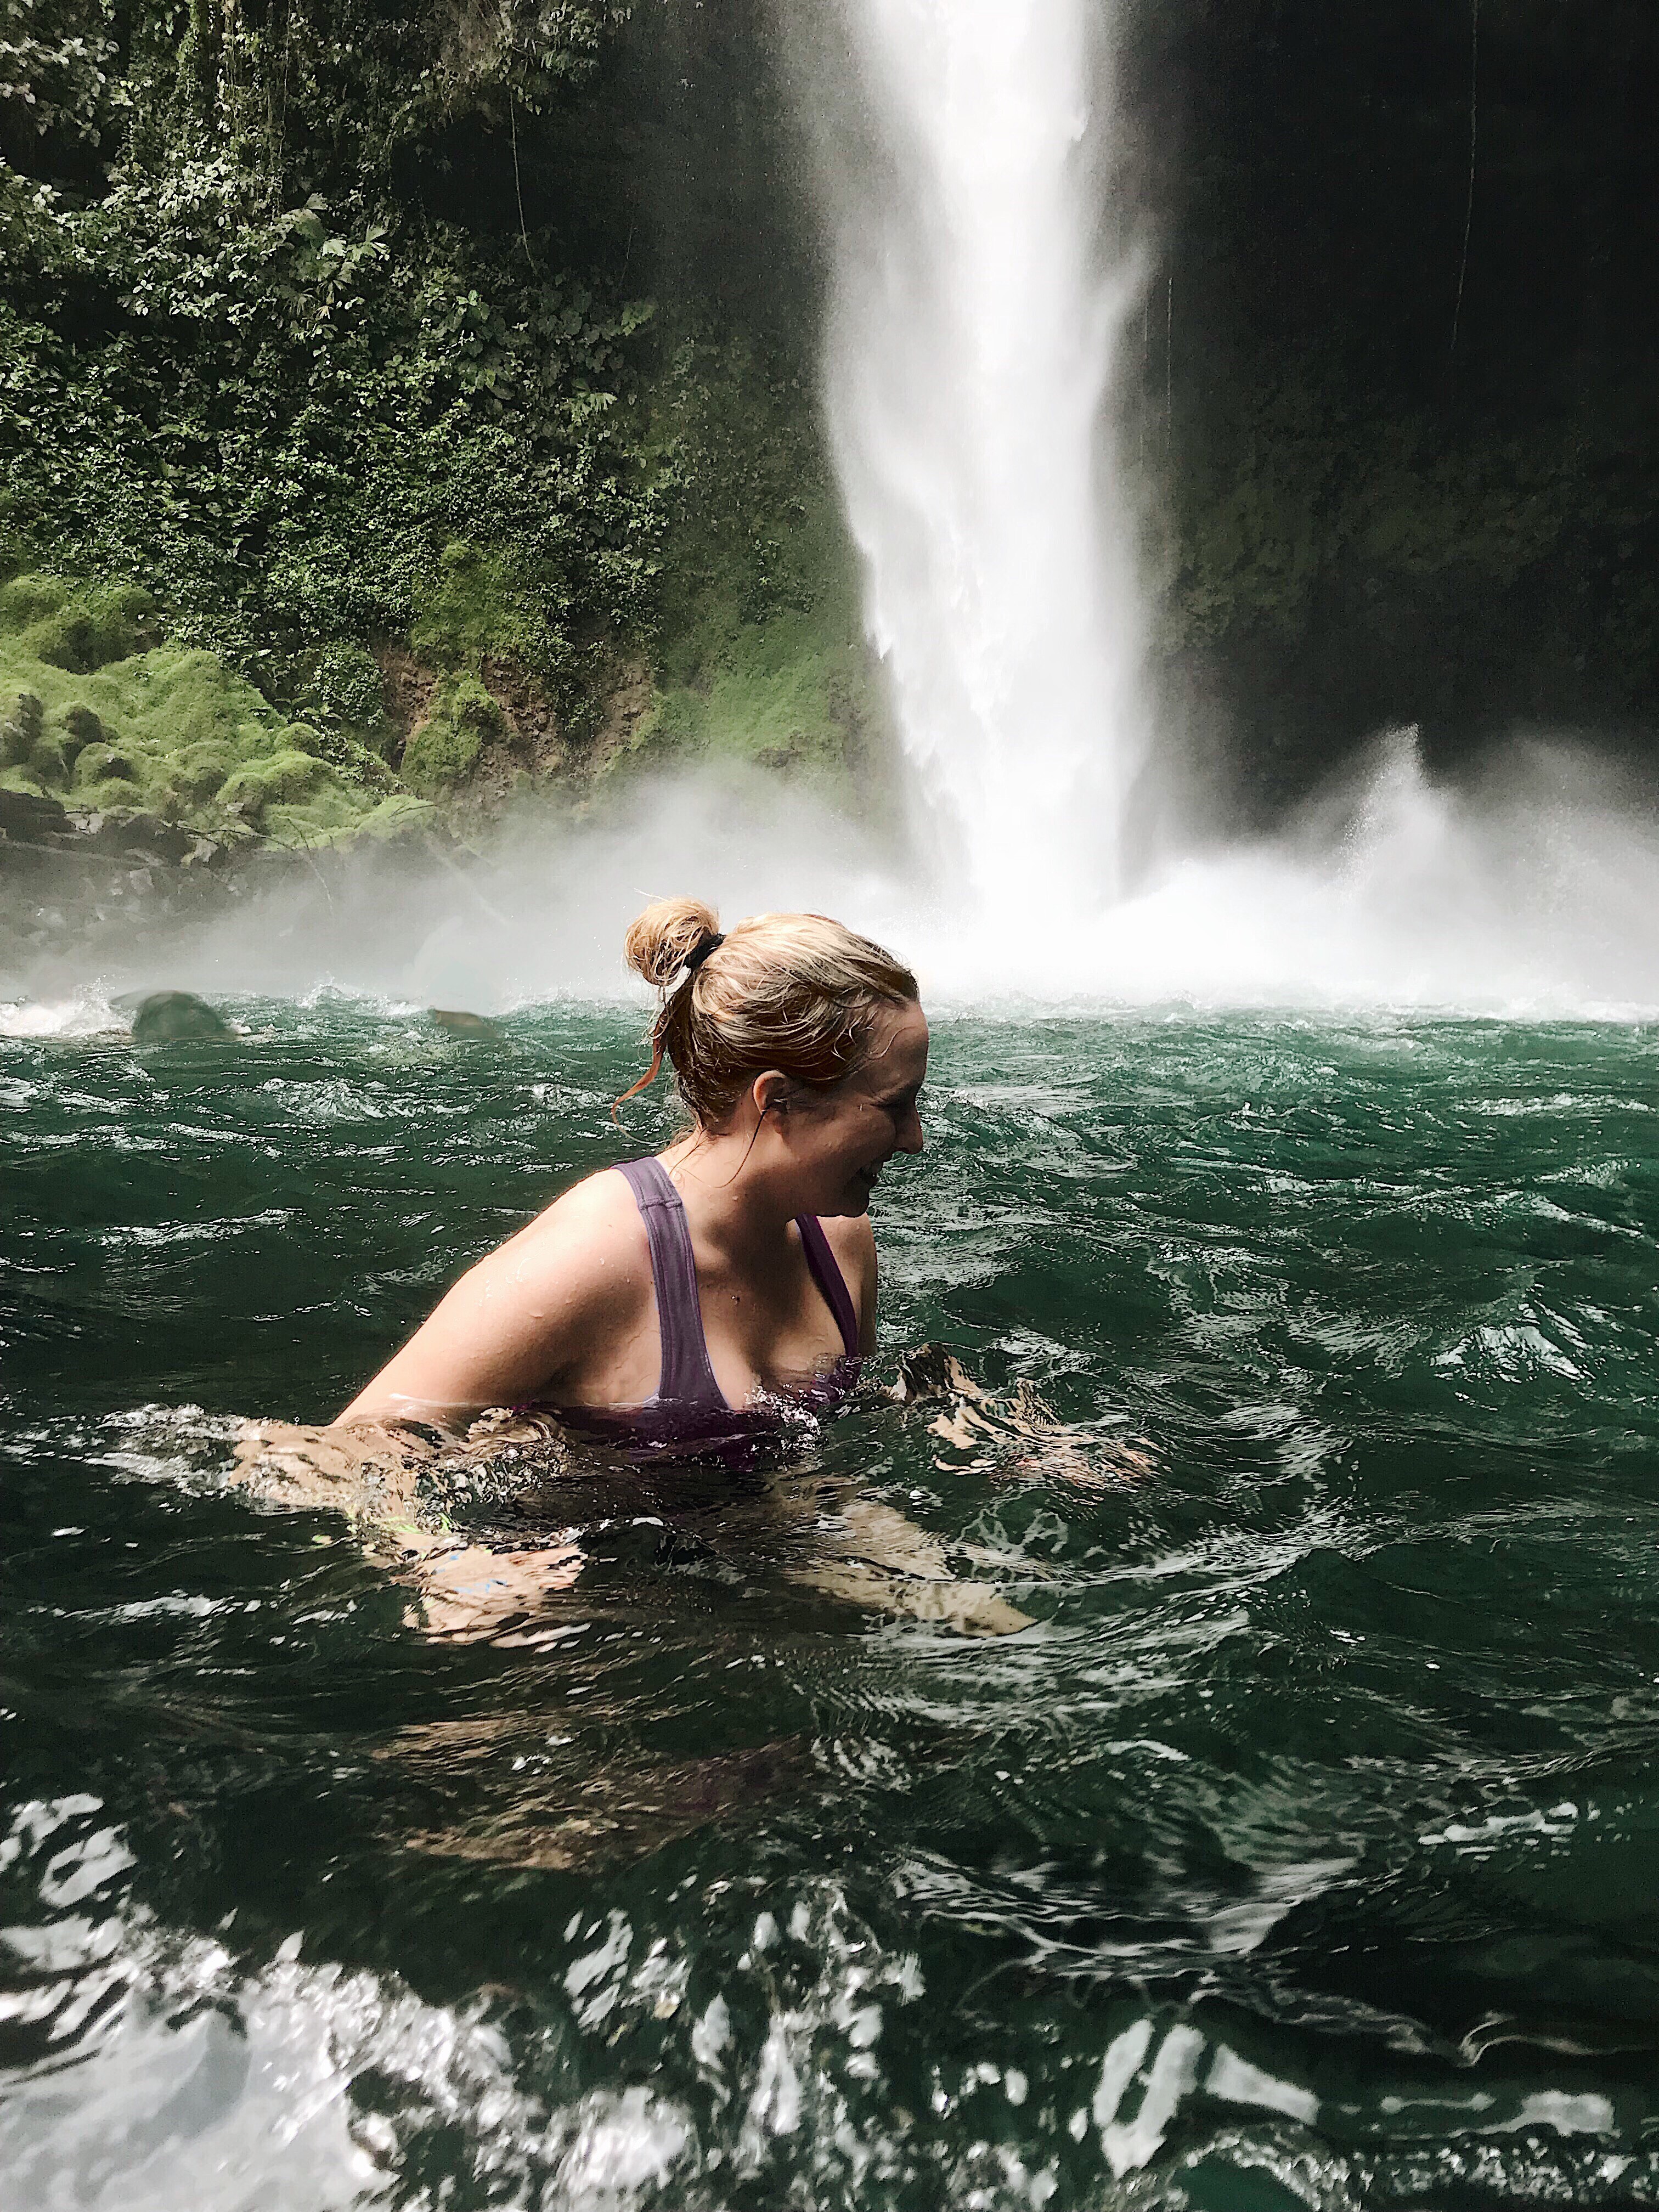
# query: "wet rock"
x,y
29,814
176,1018
456,1022
146,834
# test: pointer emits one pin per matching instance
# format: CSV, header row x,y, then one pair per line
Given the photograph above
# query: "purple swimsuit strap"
x,y
687,1377
826,1273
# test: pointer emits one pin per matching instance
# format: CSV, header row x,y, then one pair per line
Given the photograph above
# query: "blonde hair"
x,y
793,992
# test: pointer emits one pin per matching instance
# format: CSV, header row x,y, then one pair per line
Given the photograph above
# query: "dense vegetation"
x,y
357,337
438,374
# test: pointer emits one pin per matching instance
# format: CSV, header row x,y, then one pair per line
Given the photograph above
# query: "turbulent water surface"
x,y
1303,1848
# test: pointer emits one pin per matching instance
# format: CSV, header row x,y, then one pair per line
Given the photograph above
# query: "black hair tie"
x,y
694,958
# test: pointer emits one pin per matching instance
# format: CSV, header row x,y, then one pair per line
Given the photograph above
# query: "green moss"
x,y
22,730
75,630
49,759
279,777
478,605
170,731
784,695
28,598
398,814
443,750
101,763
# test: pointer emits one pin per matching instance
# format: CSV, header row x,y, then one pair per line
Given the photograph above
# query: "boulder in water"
x,y
176,1018
457,1023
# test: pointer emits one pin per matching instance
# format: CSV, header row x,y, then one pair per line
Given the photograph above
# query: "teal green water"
x,y
1304,1850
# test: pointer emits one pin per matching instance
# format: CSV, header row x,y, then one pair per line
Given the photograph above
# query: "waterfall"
x,y
971,330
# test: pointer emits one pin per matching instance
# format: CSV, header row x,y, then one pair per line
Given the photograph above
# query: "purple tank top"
x,y
688,1410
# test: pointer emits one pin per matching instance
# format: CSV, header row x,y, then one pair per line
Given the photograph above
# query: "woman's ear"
x,y
770,1093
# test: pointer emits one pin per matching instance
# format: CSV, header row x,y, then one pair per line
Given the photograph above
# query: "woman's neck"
x,y
729,1184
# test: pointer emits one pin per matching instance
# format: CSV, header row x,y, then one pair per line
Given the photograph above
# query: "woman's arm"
x,y
576,1280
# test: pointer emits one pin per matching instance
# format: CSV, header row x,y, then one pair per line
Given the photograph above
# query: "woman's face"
x,y
839,1141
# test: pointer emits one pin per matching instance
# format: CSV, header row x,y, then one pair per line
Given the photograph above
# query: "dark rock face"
x,y
144,834
175,1017
29,814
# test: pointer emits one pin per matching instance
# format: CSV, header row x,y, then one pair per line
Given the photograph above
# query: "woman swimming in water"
x,y
689,1300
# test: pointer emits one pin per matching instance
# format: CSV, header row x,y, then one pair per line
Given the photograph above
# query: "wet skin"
x,y
565,1312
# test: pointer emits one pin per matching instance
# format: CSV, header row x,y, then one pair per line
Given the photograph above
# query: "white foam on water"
x,y
81,1013
170,2073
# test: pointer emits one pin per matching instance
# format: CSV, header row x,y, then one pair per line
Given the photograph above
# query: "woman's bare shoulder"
x,y
592,1232
531,1311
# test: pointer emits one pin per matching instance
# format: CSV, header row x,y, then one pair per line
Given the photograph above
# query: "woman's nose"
x,y
910,1136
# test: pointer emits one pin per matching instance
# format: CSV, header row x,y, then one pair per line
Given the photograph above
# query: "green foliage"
x,y
280,345
344,684
60,73
171,731
443,750
759,648
248,372
282,439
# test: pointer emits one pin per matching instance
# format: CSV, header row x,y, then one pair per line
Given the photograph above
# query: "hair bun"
x,y
660,943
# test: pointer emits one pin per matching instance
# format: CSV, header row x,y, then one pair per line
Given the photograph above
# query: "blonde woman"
x,y
697,1297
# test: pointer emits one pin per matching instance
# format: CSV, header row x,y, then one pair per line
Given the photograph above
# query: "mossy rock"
x,y
283,777
82,727
200,771
22,730
398,815
443,750
28,600
83,630
101,763
50,758
173,732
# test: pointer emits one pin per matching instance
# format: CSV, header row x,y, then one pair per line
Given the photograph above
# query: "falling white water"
x,y
968,350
